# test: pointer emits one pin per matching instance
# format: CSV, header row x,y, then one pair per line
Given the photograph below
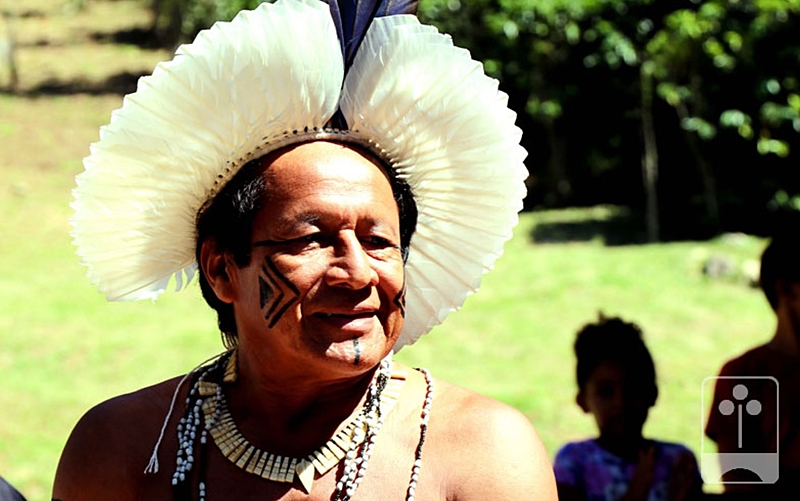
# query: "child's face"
x,y
618,402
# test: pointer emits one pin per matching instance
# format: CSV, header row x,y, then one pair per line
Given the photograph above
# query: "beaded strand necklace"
x,y
423,430
189,423
359,452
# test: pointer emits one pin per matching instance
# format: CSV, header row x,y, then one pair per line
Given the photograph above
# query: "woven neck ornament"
x,y
383,395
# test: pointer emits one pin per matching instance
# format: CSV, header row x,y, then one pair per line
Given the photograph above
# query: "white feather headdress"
x,y
244,87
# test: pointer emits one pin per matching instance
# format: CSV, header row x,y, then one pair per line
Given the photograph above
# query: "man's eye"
x,y
313,238
377,242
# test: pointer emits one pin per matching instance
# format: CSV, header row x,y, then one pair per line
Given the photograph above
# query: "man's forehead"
x,y
321,150
319,163
336,158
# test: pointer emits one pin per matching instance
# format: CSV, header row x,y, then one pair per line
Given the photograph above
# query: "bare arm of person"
x,y
107,451
93,462
499,454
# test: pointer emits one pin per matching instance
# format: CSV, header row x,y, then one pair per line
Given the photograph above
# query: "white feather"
x,y
431,106
200,116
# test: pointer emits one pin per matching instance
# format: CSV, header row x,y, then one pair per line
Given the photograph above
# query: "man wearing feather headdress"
x,y
342,176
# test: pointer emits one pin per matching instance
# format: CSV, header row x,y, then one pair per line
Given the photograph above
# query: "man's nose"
x,y
351,265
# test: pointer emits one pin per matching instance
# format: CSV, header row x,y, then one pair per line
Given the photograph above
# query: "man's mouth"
x,y
352,321
348,315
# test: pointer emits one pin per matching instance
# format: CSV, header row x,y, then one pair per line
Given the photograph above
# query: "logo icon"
x,y
738,403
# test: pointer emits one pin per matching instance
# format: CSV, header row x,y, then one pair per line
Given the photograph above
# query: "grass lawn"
x,y
63,348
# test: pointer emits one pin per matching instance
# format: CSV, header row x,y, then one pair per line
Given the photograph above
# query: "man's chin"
x,y
358,352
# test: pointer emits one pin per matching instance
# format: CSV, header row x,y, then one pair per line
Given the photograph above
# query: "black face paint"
x,y
357,350
400,300
277,293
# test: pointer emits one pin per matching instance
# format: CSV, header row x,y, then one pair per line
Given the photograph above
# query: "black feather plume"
x,y
352,18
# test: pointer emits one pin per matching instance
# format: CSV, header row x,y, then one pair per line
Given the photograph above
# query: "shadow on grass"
x,y
120,83
25,14
609,225
144,38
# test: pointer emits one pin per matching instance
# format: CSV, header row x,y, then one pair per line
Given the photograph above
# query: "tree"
x,y
698,88
178,21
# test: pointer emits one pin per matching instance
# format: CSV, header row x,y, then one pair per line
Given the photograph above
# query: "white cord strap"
x,y
152,465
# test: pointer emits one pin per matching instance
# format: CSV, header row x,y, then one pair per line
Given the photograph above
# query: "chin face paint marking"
x,y
356,351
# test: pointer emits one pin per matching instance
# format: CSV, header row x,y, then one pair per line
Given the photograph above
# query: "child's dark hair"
x,y
615,340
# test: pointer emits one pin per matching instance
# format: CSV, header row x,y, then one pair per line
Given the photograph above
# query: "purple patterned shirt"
x,y
603,476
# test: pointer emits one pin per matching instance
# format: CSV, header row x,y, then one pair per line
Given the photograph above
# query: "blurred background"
x,y
663,140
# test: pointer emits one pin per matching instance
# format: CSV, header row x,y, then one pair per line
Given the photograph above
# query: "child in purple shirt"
x,y
617,385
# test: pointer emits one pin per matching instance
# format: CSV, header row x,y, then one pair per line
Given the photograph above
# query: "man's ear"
x,y
580,399
214,265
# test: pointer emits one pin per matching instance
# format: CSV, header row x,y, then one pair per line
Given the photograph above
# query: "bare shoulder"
x,y
496,449
108,449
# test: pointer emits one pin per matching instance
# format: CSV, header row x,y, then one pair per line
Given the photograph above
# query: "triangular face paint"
x,y
277,293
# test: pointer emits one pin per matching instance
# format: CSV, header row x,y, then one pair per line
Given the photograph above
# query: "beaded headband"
x,y
275,76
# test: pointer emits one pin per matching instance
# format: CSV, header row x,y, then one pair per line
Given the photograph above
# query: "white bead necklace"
x,y
360,450
423,427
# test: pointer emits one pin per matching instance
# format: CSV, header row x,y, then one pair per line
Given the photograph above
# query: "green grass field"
x,y
64,349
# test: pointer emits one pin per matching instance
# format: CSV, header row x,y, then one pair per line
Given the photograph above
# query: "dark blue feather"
x,y
352,19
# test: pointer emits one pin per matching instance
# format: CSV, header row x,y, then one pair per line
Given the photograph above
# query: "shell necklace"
x,y
383,394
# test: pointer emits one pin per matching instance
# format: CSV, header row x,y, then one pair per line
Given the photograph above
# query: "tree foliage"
x,y
724,76
178,21
686,109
